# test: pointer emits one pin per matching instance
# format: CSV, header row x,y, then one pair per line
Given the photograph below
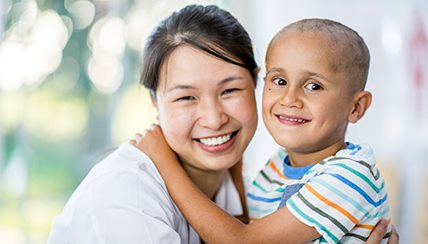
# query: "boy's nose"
x,y
291,98
212,115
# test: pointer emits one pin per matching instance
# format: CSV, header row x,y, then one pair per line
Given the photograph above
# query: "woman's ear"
x,y
153,98
361,103
257,71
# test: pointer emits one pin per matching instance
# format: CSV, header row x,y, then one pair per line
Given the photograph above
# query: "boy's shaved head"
x,y
348,51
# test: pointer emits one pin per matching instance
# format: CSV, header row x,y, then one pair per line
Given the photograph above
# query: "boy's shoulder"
x,y
357,161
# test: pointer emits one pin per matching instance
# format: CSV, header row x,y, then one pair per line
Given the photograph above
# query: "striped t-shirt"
x,y
343,196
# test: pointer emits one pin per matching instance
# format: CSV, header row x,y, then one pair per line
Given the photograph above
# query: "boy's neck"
x,y
207,181
298,159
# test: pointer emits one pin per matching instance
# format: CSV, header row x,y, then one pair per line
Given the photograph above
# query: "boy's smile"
x,y
306,103
291,120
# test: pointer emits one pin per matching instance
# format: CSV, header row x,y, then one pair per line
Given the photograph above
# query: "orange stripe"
x,y
333,205
272,165
370,227
253,219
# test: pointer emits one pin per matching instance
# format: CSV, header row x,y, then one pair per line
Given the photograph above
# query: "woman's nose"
x,y
212,115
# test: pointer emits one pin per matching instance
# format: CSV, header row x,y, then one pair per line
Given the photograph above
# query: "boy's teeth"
x,y
214,141
293,119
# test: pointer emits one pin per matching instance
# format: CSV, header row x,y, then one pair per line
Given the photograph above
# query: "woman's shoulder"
x,y
125,178
125,160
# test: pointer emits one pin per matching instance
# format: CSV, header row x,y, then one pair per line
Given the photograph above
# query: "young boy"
x,y
327,190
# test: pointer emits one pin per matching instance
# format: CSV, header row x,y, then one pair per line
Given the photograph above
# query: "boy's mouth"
x,y
217,140
292,119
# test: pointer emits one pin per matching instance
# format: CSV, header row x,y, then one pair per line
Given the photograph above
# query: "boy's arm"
x,y
211,222
236,173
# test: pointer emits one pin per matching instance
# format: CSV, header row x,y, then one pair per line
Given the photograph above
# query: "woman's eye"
x,y
185,98
227,91
313,86
280,82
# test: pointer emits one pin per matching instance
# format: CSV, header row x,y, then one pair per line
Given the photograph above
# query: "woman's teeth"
x,y
215,141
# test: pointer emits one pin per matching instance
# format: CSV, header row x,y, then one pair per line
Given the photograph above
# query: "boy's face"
x,y
306,104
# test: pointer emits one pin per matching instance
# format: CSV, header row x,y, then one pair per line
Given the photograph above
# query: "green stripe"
x,y
322,240
349,199
363,238
262,211
269,180
279,189
368,166
259,186
282,154
322,213
291,203
361,176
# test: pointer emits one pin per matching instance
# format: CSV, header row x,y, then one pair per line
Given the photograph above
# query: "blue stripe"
x,y
350,200
263,199
359,190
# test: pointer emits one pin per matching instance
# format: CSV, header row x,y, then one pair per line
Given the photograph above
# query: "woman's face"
x,y
206,108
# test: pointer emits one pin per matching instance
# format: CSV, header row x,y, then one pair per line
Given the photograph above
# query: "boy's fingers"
x,y
378,232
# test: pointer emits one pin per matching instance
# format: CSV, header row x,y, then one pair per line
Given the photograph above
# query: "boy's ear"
x,y
361,103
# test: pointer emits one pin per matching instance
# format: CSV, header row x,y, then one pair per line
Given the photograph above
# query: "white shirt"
x,y
123,199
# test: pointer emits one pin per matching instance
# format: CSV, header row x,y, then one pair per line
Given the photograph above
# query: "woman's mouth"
x,y
218,140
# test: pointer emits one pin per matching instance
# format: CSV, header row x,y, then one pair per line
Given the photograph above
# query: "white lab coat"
x,y
123,199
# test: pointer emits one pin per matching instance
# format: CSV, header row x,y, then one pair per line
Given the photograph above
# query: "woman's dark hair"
x,y
207,28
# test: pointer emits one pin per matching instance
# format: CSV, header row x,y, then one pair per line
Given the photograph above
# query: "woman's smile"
x,y
217,143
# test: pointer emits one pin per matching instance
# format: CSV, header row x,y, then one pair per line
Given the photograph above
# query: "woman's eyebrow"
x,y
189,87
181,87
231,78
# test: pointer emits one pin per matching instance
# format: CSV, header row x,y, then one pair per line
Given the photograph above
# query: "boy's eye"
x,y
227,91
280,82
313,86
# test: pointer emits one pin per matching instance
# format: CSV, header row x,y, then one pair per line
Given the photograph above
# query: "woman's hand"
x,y
153,143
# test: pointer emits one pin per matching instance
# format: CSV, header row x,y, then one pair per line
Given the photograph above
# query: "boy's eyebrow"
x,y
189,87
310,73
275,70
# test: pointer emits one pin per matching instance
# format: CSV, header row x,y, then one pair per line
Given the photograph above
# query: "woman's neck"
x,y
207,181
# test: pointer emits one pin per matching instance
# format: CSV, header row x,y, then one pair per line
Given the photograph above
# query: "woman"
x,y
200,69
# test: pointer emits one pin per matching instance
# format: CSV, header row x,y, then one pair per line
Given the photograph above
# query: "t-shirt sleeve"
x,y
337,197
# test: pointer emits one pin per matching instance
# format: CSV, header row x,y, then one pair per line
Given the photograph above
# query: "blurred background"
x,y
69,95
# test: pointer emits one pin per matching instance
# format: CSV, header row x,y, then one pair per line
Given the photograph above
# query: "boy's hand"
x,y
153,143
379,232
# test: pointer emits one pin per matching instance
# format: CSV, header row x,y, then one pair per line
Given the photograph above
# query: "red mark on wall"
x,y
418,60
